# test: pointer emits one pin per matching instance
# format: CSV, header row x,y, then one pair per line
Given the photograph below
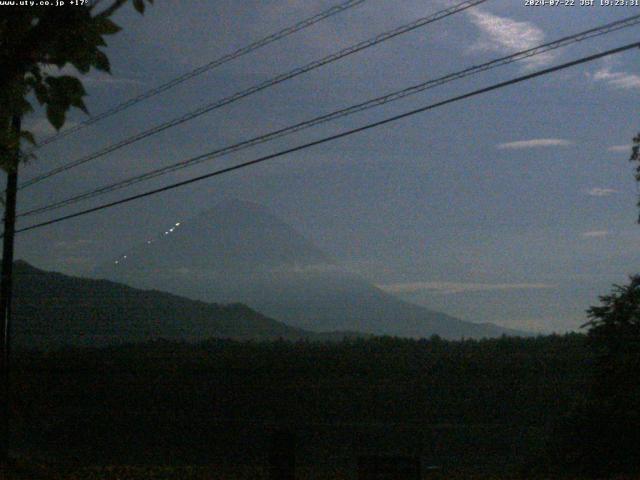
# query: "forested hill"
x,y
477,403
52,309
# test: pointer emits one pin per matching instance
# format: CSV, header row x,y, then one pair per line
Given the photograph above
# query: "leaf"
x,y
65,90
139,5
105,26
28,136
82,62
102,62
79,103
26,107
56,115
71,86
42,93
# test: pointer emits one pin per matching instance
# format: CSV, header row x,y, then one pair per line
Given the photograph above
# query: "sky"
x,y
515,207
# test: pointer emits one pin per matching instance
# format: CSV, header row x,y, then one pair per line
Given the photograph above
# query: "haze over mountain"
x,y
240,252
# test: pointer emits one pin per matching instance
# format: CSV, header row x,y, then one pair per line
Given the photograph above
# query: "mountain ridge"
x,y
52,309
238,251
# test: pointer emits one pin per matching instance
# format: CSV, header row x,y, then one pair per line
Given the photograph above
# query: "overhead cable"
x,y
337,136
375,102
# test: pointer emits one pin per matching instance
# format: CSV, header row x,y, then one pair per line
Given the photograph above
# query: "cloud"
x,y
448,288
535,143
505,35
601,192
596,234
619,80
620,148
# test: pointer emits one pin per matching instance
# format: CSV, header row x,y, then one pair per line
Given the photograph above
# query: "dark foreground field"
x,y
473,409
216,472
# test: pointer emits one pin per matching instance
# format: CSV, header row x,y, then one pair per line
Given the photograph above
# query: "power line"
x,y
587,34
338,135
257,88
307,22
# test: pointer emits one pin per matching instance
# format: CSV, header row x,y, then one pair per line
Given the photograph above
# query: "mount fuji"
x,y
239,251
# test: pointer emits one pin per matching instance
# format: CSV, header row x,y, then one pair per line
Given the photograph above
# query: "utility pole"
x,y
5,289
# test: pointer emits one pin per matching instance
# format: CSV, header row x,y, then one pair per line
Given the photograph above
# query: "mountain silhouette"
x,y
53,310
238,251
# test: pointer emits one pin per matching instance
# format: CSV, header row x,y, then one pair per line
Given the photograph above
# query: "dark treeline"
x,y
476,402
